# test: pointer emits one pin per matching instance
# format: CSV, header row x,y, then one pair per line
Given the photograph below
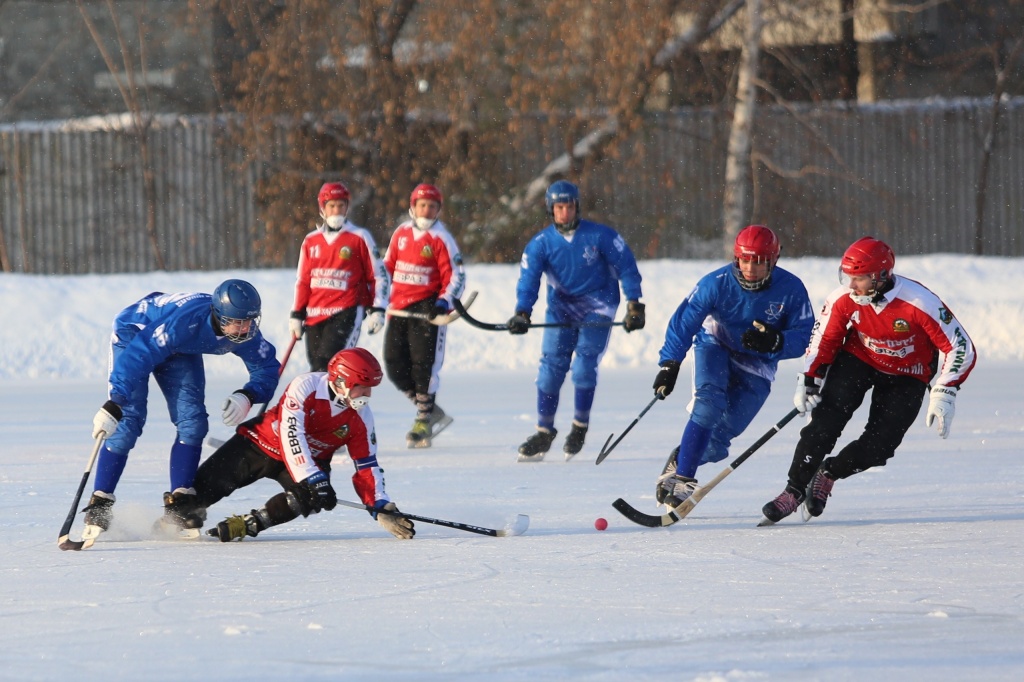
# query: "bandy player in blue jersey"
x,y
740,320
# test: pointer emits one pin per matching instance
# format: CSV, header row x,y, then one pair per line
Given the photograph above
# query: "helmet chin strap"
x,y
344,400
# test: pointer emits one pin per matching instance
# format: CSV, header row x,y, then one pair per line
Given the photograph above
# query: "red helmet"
x,y
354,367
425,191
759,244
332,191
869,256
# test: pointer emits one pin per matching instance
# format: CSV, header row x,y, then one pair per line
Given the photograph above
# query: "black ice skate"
x,y
782,506
236,528
818,491
535,447
574,441
98,514
183,517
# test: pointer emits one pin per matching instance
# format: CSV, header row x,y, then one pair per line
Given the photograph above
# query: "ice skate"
x,y
98,514
419,435
781,507
818,492
673,489
537,445
182,515
235,528
574,441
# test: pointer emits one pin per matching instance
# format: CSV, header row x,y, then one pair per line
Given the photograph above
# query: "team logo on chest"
x,y
342,433
900,325
590,254
774,311
426,251
345,253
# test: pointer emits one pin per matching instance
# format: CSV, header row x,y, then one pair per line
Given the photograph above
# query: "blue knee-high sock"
x,y
693,444
584,401
109,468
547,405
184,462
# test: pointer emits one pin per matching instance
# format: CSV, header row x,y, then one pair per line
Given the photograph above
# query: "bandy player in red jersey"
x,y
340,281
426,271
293,443
878,332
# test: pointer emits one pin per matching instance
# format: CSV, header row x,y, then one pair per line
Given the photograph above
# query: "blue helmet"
x,y
236,302
562,191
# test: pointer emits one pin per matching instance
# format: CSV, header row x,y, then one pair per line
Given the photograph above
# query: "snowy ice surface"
x,y
914,572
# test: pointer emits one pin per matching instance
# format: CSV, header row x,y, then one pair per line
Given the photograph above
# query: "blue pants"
x,y
725,400
566,348
182,380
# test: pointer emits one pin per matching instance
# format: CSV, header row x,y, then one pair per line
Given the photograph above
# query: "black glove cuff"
x,y
376,310
298,315
113,409
248,394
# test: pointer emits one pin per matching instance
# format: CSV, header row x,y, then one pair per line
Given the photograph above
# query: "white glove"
x,y
941,406
808,393
399,526
236,407
374,321
295,327
106,420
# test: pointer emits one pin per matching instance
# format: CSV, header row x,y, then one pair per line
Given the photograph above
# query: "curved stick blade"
x,y
517,527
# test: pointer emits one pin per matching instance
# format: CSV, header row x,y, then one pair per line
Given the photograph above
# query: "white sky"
x,y
913,572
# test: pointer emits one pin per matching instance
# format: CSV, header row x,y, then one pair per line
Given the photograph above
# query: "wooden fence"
x,y
73,200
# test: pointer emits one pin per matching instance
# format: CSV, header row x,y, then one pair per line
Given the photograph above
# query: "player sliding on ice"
x,y
293,443
881,333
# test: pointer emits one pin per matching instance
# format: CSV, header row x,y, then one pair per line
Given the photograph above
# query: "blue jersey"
x,y
161,325
583,272
719,310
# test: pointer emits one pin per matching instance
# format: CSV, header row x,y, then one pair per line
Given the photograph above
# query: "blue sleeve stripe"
x,y
366,463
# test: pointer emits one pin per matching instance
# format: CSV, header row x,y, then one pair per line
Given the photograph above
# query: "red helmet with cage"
x,y
355,367
869,256
758,244
350,368
332,191
424,191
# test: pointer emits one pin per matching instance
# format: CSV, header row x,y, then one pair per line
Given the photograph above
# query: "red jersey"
x,y
424,264
901,334
339,270
305,429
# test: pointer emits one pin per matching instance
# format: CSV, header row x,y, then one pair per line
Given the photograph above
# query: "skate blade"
x,y
532,458
171,531
765,521
440,425
418,444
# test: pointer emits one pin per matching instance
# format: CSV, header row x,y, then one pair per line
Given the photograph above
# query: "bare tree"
x,y
133,95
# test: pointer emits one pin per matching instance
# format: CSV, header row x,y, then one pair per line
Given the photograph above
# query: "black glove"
x,y
319,493
440,309
762,338
635,318
519,323
666,379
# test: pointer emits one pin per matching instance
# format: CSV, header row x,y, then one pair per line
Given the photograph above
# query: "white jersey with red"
x,y
305,429
339,270
424,264
899,334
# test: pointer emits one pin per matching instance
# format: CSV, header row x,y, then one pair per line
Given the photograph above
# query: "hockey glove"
x,y
635,318
665,381
808,392
319,493
519,323
763,338
106,420
374,321
941,406
236,407
295,324
399,526
440,309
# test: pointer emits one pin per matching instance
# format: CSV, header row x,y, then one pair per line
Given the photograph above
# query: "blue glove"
x,y
319,493
440,309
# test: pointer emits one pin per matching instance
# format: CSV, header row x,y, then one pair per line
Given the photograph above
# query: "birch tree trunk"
x,y
737,165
